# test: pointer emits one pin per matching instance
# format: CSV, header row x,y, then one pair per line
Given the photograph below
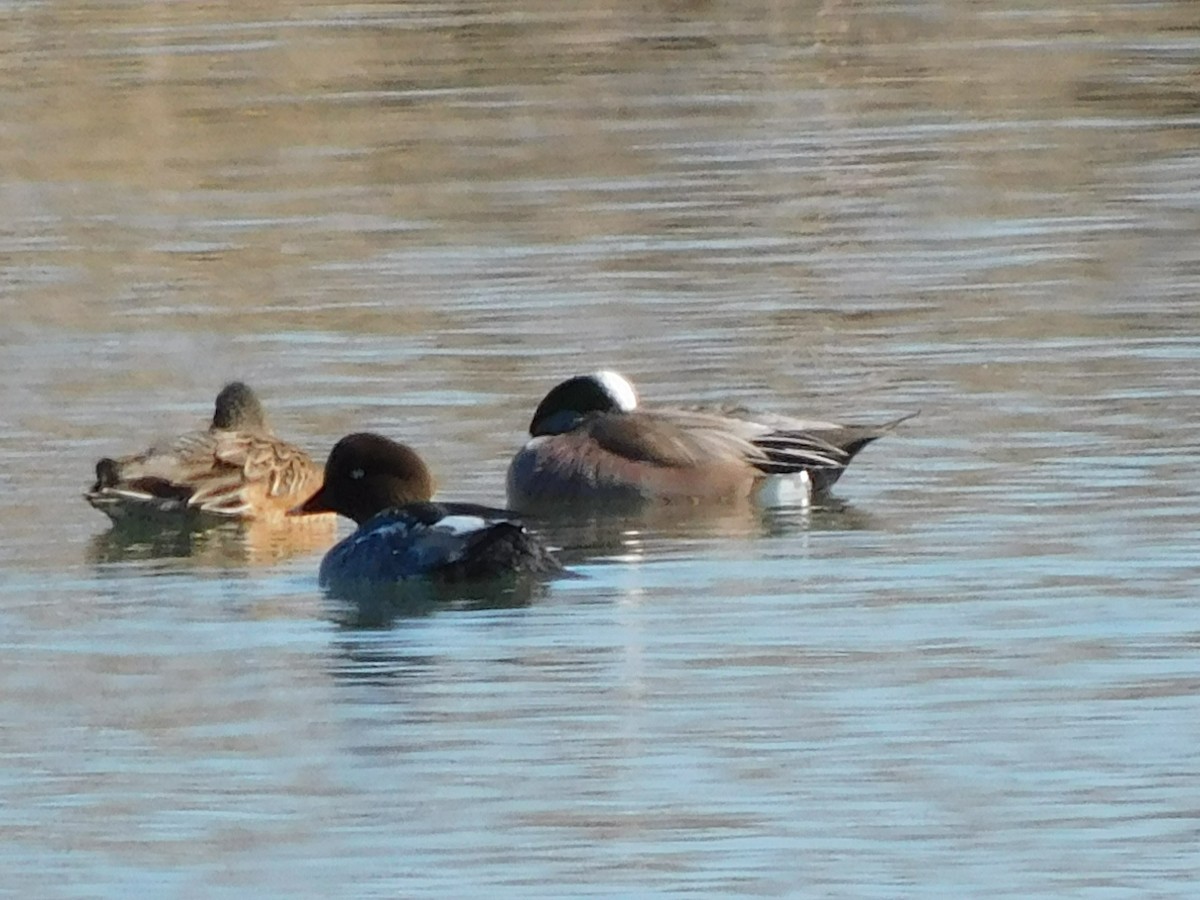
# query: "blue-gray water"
x,y
977,676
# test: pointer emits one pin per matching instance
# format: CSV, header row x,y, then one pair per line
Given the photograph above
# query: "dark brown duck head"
x,y
368,473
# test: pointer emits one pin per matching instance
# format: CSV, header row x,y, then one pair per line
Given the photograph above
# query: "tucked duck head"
x,y
237,409
368,473
567,403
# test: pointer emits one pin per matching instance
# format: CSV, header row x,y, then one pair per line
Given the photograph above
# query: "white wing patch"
x,y
460,525
786,490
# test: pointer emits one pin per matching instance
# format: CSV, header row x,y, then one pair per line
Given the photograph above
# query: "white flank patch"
x,y
459,525
786,490
618,389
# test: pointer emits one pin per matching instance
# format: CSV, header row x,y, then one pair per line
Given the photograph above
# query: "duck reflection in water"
x,y
228,545
602,536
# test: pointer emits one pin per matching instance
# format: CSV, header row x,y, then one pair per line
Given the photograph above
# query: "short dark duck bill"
x,y
315,504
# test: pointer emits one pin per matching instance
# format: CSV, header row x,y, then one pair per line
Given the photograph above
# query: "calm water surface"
x,y
975,675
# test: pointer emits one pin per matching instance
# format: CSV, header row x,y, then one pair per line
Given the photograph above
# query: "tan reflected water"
x,y
971,675
250,543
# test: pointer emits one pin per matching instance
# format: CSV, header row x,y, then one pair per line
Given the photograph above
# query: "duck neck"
x,y
387,492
